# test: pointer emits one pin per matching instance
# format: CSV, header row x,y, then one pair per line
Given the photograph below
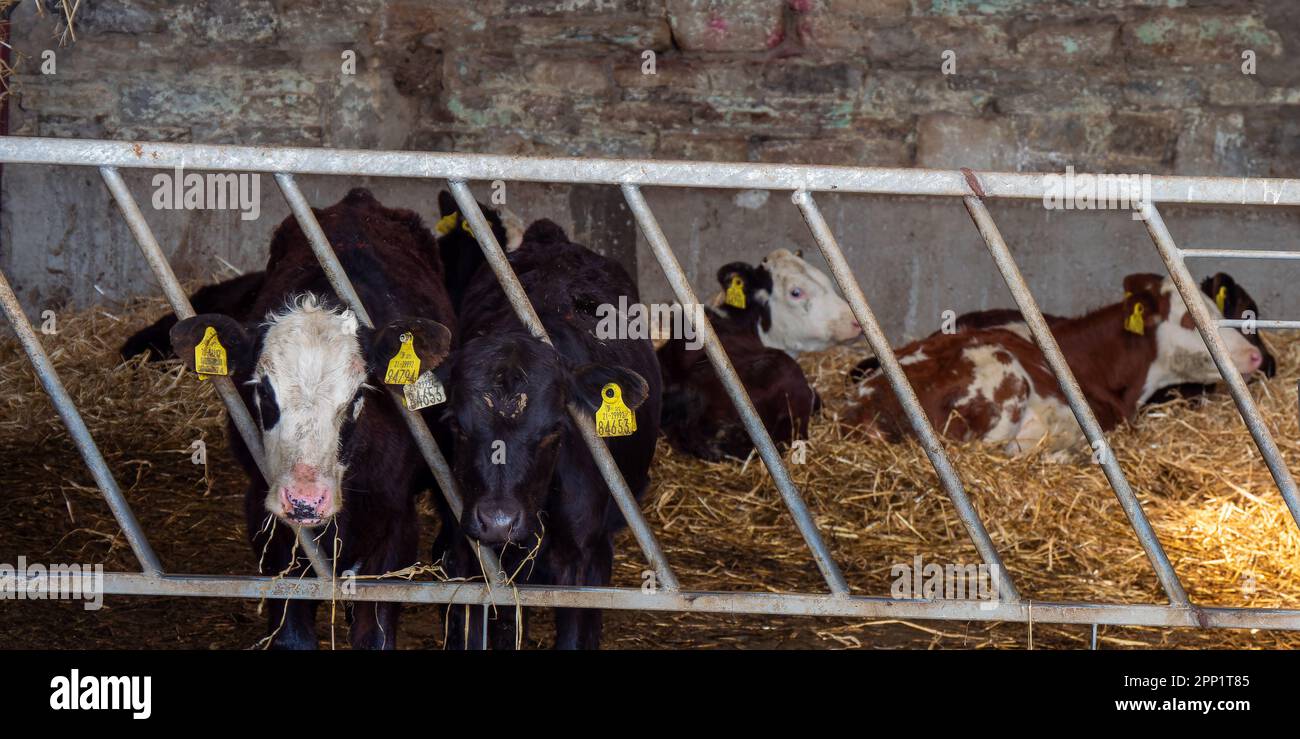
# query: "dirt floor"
x,y
723,525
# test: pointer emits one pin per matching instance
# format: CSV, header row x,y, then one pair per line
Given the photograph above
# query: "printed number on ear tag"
x,y
736,292
1134,323
614,418
424,392
210,355
404,367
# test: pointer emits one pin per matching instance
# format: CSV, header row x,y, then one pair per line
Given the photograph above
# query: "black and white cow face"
x,y
509,399
1236,303
800,310
309,366
1181,354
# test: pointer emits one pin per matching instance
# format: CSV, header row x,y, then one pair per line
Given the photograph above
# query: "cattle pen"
x,y
803,182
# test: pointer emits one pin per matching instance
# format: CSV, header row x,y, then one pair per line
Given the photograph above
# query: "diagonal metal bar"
x,y
180,303
523,307
736,390
1006,264
76,426
342,284
921,426
1205,323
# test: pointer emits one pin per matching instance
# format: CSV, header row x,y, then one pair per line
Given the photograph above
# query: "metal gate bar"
x,y
225,387
1046,341
783,604
283,162
76,426
903,391
523,307
736,390
643,172
1205,324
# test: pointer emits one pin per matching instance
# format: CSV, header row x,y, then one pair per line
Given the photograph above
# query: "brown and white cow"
x,y
994,385
785,306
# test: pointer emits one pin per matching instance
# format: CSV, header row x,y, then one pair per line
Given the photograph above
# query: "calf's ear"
x,y
446,203
734,269
1142,302
232,335
430,340
587,381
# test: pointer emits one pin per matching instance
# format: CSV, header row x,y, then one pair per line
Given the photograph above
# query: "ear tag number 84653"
x,y
614,418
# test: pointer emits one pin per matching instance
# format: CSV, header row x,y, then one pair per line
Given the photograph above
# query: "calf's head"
x,y
508,406
1153,307
308,367
1233,300
796,306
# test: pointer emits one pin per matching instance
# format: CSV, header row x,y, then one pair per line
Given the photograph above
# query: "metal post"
x,y
225,387
1006,264
342,284
67,410
906,395
736,390
1205,323
523,307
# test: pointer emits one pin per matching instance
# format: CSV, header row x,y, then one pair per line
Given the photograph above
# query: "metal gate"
x,y
631,176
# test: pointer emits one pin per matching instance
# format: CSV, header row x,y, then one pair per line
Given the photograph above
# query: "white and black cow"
x,y
787,306
994,385
337,452
528,480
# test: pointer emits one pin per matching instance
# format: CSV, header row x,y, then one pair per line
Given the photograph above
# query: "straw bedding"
x,y
1058,526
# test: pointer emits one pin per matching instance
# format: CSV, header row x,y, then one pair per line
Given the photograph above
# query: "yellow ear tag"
x,y
445,224
404,367
614,418
736,292
1134,323
210,355
1221,298
464,226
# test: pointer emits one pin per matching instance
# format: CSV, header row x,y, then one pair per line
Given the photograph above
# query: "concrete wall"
x,y
1101,85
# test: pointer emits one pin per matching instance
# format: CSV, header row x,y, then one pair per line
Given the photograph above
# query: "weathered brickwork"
x,y
1154,86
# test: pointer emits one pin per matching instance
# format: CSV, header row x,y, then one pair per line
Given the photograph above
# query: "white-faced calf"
x,y
337,452
769,313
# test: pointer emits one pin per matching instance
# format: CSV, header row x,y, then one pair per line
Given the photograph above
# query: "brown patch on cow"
x,y
1002,356
1188,322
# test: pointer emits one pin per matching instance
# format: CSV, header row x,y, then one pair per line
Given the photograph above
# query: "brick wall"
x,y
1101,85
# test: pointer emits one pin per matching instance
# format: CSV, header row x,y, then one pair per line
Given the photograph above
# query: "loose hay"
x,y
1059,527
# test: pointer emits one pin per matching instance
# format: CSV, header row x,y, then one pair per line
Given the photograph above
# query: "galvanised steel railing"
x,y
631,175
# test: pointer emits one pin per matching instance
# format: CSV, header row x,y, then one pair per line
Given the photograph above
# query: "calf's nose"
x,y
305,503
497,523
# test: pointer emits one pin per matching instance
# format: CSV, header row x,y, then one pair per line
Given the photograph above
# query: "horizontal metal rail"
x,y
1237,254
775,604
643,172
1257,323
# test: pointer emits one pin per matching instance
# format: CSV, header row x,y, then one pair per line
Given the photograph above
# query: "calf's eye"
x,y
796,293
